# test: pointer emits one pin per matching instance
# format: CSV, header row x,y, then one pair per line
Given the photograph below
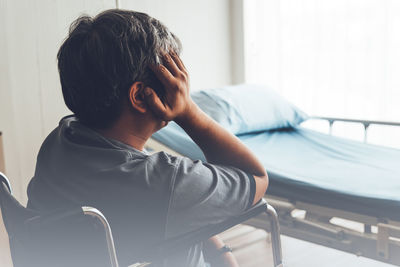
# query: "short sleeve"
x,y
204,193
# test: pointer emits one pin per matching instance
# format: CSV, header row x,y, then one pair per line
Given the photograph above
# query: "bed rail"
x,y
365,123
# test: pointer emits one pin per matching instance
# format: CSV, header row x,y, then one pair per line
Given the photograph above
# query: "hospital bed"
x,y
327,190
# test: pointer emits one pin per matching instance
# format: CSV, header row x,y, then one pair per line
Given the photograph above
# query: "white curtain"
x,y
338,58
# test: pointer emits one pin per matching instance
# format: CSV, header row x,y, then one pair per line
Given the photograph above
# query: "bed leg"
x,y
275,236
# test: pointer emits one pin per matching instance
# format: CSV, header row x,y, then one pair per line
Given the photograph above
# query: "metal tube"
x,y
331,126
366,126
7,182
389,123
110,241
275,236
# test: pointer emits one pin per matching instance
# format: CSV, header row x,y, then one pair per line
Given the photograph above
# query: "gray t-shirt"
x,y
146,198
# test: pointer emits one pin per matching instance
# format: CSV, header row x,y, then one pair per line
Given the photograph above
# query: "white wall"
x,y
31,32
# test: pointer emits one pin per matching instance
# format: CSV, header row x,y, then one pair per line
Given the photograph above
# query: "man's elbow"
x,y
265,180
261,187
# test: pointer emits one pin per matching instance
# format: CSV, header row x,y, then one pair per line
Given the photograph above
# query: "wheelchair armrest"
x,y
69,225
44,220
187,240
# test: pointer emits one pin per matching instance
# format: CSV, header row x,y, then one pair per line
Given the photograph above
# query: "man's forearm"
x,y
218,145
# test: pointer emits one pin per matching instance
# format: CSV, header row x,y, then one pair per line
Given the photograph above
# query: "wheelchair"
x,y
83,236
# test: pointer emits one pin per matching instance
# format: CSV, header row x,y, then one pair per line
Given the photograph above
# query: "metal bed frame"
x,y
371,237
375,238
365,123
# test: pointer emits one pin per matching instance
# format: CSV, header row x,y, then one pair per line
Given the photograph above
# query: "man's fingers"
x,y
155,103
178,62
170,63
163,74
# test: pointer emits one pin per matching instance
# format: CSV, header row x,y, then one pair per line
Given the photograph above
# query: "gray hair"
x,y
103,56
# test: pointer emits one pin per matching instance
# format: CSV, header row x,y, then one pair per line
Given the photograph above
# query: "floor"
x,y
250,245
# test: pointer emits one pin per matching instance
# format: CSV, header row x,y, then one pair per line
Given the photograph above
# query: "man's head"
x,y
104,58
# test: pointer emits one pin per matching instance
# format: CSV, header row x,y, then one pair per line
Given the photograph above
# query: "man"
x,y
122,78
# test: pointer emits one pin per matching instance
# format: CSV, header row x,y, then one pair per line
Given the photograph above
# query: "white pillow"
x,y
248,108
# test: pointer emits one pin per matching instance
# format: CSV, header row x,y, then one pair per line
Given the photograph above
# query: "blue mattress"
x,y
304,165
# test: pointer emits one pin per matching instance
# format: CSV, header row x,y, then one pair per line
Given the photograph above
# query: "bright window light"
x,y
337,58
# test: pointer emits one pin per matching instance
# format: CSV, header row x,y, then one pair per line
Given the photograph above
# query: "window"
x,y
338,58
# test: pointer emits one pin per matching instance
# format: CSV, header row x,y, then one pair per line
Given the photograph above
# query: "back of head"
x,y
103,56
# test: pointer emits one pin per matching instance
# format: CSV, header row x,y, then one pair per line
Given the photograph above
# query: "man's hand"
x,y
218,145
174,77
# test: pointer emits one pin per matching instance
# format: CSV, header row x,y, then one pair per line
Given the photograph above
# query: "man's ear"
x,y
136,97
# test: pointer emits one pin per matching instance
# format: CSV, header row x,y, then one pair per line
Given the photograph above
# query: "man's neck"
x,y
130,131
